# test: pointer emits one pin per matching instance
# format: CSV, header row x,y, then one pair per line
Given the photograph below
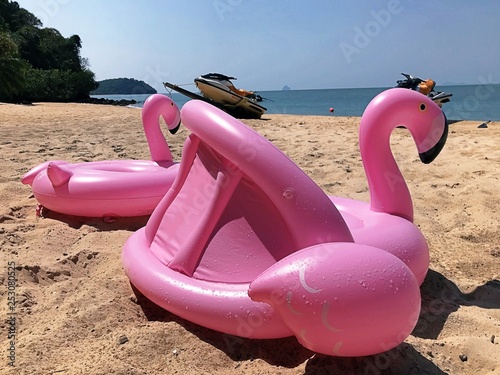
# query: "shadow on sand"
x,y
441,297
130,224
289,353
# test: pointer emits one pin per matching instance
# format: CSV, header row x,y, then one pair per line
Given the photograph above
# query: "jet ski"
x,y
425,87
218,90
222,82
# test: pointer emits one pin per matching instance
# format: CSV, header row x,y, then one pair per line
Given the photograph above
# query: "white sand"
x,y
74,301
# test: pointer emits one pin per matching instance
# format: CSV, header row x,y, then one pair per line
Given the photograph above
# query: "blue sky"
x,y
268,44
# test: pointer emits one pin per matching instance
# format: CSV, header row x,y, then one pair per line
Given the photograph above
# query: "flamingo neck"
x,y
388,190
158,146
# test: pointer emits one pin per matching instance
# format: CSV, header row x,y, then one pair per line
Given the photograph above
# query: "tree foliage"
x,y
39,64
123,86
58,85
12,68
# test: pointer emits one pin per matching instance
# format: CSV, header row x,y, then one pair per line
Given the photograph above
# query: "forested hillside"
x,y
37,63
123,86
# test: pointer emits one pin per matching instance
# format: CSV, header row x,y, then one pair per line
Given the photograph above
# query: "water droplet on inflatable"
x,y
289,193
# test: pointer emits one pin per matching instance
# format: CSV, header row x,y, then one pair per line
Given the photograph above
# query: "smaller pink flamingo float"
x,y
245,243
112,188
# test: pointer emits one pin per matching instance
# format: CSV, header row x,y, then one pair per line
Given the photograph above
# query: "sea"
x,y
469,102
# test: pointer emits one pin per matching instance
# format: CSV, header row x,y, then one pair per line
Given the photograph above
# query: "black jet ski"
x,y
425,87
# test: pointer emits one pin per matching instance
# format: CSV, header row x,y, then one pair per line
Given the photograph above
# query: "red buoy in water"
x,y
331,109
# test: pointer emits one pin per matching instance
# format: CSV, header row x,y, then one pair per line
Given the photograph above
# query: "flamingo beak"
x,y
174,130
428,156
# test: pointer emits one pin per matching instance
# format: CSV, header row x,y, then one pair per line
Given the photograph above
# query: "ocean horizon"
x,y
469,102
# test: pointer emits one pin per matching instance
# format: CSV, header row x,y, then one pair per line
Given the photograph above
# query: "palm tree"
x,y
11,68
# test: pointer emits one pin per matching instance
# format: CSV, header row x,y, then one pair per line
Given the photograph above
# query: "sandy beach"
x,y
76,312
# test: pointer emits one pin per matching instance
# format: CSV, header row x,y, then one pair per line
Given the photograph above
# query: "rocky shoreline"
x,y
121,102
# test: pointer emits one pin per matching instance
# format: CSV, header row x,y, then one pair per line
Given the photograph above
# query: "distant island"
x,y
285,88
122,86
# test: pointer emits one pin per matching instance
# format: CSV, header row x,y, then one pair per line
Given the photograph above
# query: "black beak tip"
x,y
174,130
429,156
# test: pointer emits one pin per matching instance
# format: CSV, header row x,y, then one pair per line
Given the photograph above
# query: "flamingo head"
x,y
436,139
172,116
427,124
158,104
418,113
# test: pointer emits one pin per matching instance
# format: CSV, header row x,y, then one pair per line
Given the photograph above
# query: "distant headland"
x,y
122,86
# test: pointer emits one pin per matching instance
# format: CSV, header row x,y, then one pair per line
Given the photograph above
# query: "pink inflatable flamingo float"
x,y
247,244
386,221
112,188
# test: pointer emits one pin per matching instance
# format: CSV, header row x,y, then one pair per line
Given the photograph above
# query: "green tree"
x,y
58,85
13,17
12,68
50,64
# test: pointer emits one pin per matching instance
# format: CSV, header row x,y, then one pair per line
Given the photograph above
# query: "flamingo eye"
x,y
423,107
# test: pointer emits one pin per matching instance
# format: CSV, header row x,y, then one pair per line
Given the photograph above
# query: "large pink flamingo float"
x,y
112,188
246,243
